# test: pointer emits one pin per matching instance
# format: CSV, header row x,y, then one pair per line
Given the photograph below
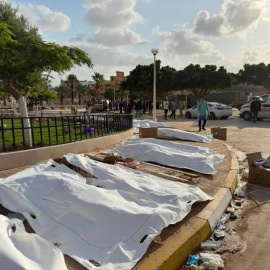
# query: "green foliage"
x,y
38,97
71,80
61,91
109,93
202,80
97,77
25,60
255,74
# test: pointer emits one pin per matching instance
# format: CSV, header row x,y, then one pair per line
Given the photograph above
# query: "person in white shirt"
x,y
165,108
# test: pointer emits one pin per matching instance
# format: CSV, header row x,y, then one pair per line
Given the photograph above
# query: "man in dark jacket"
x,y
255,108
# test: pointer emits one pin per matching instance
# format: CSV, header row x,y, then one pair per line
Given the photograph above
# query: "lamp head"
x,y
154,51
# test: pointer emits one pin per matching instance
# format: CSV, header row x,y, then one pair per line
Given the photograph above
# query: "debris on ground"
x,y
211,260
192,260
225,239
219,233
211,245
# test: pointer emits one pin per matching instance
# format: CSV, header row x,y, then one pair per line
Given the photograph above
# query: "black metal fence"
x,y
30,132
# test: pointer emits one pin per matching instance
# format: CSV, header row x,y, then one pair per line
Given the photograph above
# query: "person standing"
x,y
173,108
255,108
150,107
138,107
165,108
203,111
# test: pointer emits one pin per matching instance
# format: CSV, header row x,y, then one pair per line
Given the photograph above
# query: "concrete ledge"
x,y
176,249
23,158
215,209
231,181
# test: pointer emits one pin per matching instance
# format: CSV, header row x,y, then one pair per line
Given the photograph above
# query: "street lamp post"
x,y
154,52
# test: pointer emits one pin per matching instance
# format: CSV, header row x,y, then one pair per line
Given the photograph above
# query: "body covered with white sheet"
x,y
21,250
183,156
102,219
169,133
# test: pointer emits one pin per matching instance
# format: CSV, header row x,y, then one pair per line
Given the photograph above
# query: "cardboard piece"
x,y
260,176
148,132
219,133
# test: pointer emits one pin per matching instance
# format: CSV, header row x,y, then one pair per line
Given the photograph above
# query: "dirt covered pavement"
x,y
247,240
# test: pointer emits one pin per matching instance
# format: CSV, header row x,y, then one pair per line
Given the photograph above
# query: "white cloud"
x,y
184,42
112,56
44,18
234,19
78,36
156,30
111,13
213,57
212,26
251,57
117,37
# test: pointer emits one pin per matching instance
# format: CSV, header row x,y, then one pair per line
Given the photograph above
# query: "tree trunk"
x,y
79,98
26,122
61,97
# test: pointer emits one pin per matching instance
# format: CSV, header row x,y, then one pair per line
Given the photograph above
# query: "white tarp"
x,y
196,158
149,123
168,133
102,219
21,250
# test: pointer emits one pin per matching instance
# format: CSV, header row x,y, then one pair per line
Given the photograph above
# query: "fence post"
x,y
107,124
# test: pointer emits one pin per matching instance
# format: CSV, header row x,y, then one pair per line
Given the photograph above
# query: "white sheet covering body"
x,y
149,123
168,133
21,250
102,219
196,158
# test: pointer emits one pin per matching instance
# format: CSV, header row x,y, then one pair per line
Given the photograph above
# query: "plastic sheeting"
x,y
149,123
168,133
195,158
110,220
21,250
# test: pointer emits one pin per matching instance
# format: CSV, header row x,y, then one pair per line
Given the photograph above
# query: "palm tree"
x,y
61,91
81,89
71,80
97,77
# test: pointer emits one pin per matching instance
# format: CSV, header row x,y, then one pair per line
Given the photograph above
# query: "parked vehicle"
x,y
246,114
216,110
97,107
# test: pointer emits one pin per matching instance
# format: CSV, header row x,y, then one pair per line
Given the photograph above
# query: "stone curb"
x,y
175,250
16,159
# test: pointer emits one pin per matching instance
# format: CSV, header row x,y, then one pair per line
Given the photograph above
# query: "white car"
x,y
265,109
216,110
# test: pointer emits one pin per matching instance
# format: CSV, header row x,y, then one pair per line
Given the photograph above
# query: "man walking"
x,y
203,111
255,108
173,108
165,108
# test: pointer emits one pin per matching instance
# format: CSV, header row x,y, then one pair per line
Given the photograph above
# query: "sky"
x,y
118,35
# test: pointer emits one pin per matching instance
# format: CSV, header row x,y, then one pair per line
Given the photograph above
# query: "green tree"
x,y
38,97
140,81
81,90
165,81
71,81
61,91
200,81
255,74
109,93
97,77
27,58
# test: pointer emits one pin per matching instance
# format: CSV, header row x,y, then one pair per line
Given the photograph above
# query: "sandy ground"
x,y
252,228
